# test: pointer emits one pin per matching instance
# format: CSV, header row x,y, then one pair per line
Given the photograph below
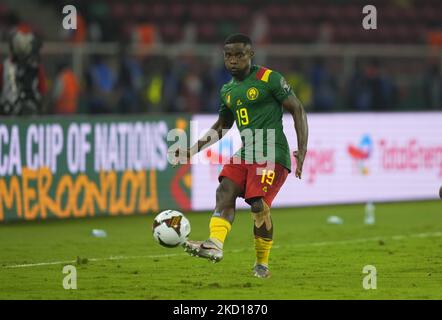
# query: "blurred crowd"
x,y
187,83
130,82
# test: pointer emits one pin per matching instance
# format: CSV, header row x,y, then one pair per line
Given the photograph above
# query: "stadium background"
x,y
162,60
175,66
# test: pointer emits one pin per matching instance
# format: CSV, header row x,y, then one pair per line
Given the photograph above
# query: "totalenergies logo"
x,y
361,153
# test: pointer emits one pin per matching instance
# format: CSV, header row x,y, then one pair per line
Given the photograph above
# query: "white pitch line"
x,y
92,260
324,243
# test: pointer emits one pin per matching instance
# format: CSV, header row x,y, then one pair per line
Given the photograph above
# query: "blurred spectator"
x,y
129,83
78,35
97,15
191,93
100,83
11,22
95,34
154,83
190,34
66,91
300,86
359,95
390,91
371,90
222,76
145,33
192,84
381,86
171,87
433,87
208,87
22,78
434,38
260,28
325,33
324,87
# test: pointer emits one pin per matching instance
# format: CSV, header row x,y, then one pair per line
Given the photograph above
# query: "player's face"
x,y
237,58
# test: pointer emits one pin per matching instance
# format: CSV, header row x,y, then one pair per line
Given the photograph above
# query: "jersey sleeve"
x,y
279,87
224,110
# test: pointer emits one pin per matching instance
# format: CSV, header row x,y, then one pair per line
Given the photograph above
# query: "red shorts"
x,y
255,180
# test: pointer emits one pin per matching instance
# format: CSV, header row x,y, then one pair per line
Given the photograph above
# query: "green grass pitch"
x,y
311,259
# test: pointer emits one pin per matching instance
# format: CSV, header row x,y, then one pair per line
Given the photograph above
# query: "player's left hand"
x,y
299,156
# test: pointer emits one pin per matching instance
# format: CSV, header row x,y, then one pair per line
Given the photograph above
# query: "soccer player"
x,y
22,80
254,98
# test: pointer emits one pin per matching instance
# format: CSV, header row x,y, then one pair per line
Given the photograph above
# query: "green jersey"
x,y
255,104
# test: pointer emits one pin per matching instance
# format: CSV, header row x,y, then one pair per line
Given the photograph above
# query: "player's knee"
x,y
262,214
257,205
224,196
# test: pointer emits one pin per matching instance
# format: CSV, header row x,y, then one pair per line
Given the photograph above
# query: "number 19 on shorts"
x,y
268,176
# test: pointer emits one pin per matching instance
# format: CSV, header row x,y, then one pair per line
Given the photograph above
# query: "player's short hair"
x,y
238,38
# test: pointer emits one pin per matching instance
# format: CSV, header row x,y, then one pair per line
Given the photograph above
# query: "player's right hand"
x,y
299,156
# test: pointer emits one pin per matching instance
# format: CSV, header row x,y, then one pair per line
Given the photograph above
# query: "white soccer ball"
x,y
170,228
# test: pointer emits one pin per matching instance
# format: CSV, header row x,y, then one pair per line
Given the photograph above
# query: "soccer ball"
x,y
170,228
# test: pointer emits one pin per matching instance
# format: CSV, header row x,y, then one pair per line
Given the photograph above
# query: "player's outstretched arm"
x,y
296,109
216,133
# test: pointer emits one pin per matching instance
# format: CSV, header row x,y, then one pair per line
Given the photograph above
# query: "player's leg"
x,y
263,233
222,218
220,223
261,189
231,179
